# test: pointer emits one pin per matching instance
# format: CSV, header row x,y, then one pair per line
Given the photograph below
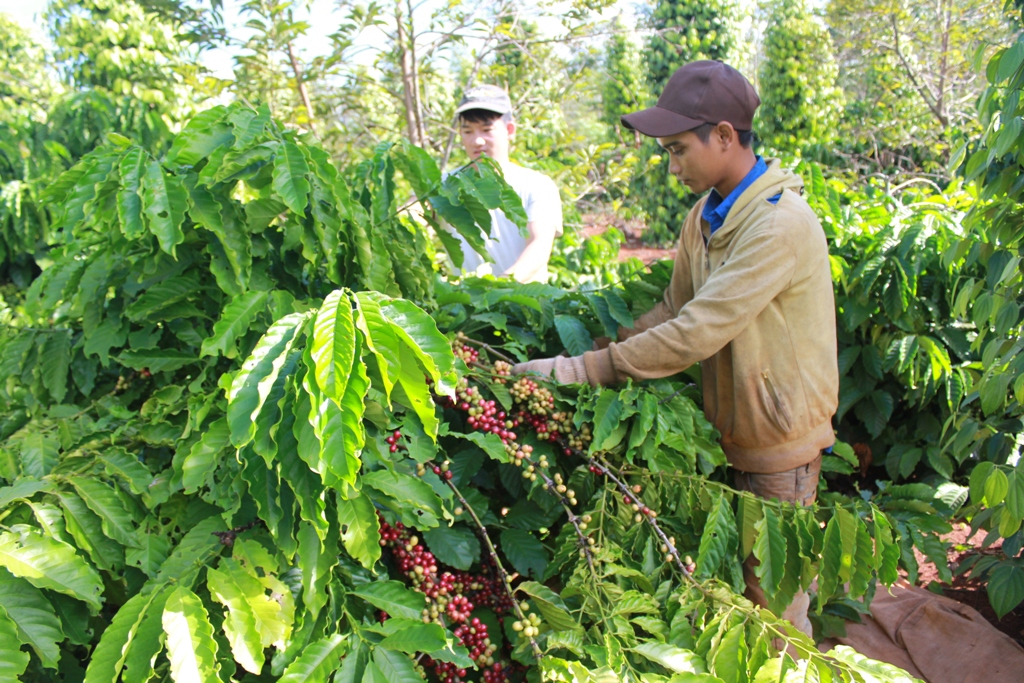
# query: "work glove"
x,y
564,370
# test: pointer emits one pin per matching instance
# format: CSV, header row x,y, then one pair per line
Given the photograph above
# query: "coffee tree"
x,y
236,449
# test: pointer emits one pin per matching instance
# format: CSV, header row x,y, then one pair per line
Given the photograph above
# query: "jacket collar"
x,y
770,183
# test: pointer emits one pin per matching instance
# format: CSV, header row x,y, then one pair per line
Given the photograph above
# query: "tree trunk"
x,y
300,85
421,129
408,79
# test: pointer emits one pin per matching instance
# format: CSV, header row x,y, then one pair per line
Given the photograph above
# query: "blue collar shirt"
x,y
717,209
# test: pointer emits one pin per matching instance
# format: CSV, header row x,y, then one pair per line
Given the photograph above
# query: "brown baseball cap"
x,y
707,91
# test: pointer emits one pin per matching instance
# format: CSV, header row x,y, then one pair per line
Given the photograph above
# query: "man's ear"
x,y
726,135
511,127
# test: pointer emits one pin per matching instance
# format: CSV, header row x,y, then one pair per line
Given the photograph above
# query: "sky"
x,y
321,15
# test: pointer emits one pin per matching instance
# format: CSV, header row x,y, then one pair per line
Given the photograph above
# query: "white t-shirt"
x,y
505,245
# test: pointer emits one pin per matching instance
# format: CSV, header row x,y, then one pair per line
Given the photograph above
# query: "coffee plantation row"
x,y
250,434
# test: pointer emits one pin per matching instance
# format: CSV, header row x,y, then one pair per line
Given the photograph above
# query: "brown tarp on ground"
x,y
934,638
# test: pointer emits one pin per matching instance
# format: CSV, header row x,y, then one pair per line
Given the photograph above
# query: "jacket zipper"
x,y
707,253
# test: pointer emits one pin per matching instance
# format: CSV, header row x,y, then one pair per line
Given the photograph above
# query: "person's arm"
x,y
532,264
757,270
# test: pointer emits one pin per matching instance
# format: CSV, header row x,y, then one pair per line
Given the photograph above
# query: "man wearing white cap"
x,y
487,127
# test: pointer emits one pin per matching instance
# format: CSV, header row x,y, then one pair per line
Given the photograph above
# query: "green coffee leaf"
x,y
122,635
456,546
416,637
396,667
770,551
253,382
33,616
317,661
405,489
164,202
199,465
550,605
718,540
334,345
574,334
235,321
673,658
1006,588
48,563
525,552
392,597
129,200
316,560
191,647
101,499
237,591
86,529
290,181
13,661
360,529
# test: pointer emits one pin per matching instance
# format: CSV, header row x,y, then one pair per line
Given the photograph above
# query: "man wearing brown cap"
x,y
750,298
487,127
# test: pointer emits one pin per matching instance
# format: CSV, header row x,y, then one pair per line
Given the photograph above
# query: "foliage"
x,y
173,510
684,31
905,357
988,420
913,63
800,102
624,89
27,157
127,70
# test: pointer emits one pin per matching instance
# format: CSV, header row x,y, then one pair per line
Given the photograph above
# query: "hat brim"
x,y
496,108
656,122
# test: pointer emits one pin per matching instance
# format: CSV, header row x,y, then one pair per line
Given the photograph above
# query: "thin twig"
x,y
506,579
489,349
574,519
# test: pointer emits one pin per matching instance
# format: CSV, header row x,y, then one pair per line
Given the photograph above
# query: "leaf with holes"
x,y
164,202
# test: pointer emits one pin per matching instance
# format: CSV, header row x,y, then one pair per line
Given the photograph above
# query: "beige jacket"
x,y
754,305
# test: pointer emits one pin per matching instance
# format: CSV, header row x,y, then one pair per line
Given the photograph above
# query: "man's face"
x,y
489,139
696,164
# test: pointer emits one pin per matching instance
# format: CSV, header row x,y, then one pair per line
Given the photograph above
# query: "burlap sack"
x,y
934,638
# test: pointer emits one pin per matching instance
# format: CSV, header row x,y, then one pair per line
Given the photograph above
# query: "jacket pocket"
x,y
774,404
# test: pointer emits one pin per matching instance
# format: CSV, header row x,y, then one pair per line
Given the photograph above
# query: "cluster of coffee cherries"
x,y
484,415
503,370
450,597
530,626
537,410
441,470
538,400
560,487
393,440
474,636
638,507
464,351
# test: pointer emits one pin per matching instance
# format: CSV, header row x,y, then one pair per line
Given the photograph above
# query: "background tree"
x,y
682,31
272,71
912,62
623,87
800,102
28,157
126,70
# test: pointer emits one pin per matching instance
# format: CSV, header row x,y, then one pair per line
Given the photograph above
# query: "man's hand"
x,y
564,370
